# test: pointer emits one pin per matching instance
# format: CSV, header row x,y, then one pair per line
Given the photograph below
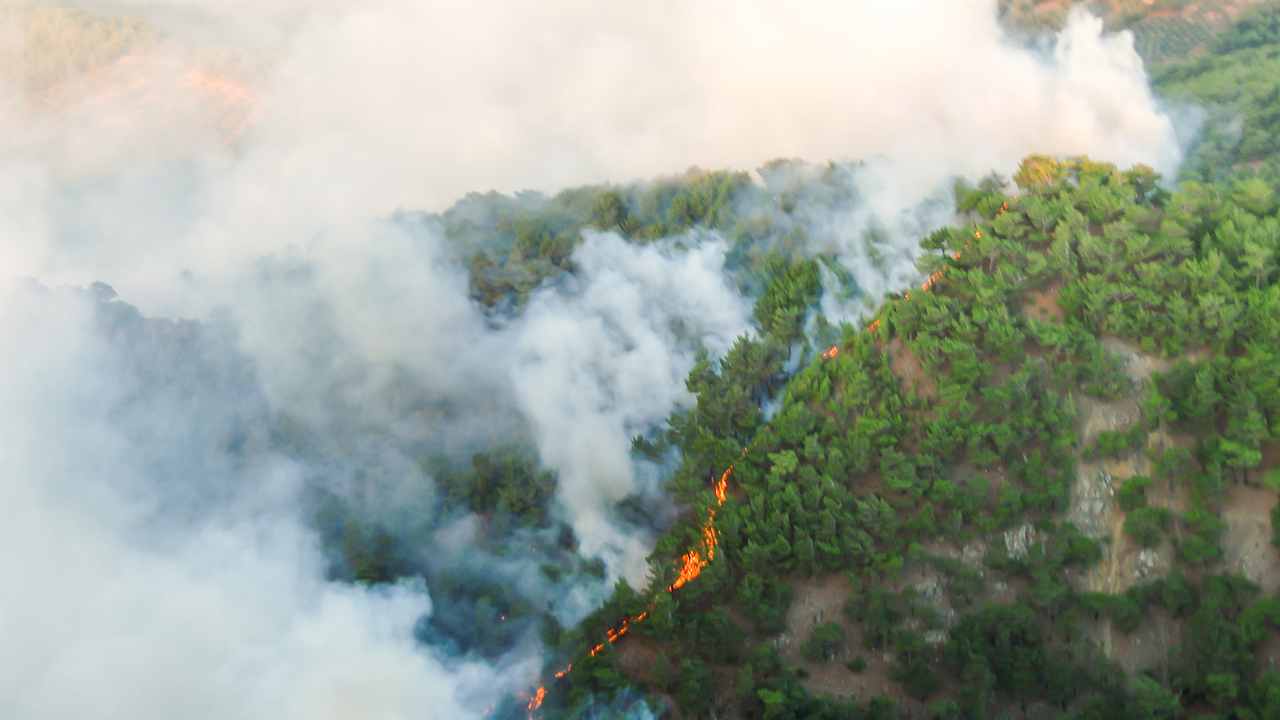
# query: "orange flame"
x,y
831,352
722,486
934,277
692,564
539,695
926,286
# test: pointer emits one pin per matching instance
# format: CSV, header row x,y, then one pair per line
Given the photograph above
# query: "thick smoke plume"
x,y
599,364
235,163
151,572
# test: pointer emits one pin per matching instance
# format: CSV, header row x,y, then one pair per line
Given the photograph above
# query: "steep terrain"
x,y
1042,483
1032,487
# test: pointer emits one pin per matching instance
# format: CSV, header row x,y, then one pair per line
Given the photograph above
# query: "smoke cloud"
x,y
598,364
236,163
152,572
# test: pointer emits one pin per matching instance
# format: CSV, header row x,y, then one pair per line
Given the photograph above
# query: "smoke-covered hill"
x,y
360,436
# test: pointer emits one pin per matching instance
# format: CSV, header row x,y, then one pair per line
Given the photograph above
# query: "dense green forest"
x,y
1026,492
514,245
964,421
1237,85
1012,451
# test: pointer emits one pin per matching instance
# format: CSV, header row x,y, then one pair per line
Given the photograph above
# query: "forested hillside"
x,y
1033,488
1164,30
870,430
1237,86
512,245
1043,485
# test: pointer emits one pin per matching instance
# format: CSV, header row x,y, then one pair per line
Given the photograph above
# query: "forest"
x,y
935,463
1009,450
882,475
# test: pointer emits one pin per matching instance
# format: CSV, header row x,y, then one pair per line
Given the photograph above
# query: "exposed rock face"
x,y
1095,512
1246,544
1019,540
1150,564
931,588
1093,505
972,553
1092,500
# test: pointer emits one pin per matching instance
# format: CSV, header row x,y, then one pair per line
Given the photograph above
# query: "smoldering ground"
x,y
233,163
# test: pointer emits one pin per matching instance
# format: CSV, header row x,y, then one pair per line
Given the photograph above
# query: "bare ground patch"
x,y
910,371
1247,541
1151,647
1270,456
1043,304
821,600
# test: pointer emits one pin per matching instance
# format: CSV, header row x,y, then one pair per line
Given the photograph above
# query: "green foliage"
x,y
824,643
1133,493
1110,443
795,287
502,480
1146,525
1008,642
1045,301
1152,701
370,553
1238,82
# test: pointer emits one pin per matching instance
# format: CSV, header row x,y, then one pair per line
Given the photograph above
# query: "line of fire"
x,y
695,560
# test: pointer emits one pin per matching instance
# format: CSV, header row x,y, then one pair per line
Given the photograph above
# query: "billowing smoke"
x,y
236,163
154,571
598,364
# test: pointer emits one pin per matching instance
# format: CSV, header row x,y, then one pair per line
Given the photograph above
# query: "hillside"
x,y
1235,87
1164,30
868,430
1044,486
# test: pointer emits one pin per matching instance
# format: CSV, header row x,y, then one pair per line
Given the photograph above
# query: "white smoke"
x,y
110,608
259,195
600,363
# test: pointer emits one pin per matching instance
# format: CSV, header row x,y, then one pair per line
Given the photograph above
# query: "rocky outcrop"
x,y
1018,541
